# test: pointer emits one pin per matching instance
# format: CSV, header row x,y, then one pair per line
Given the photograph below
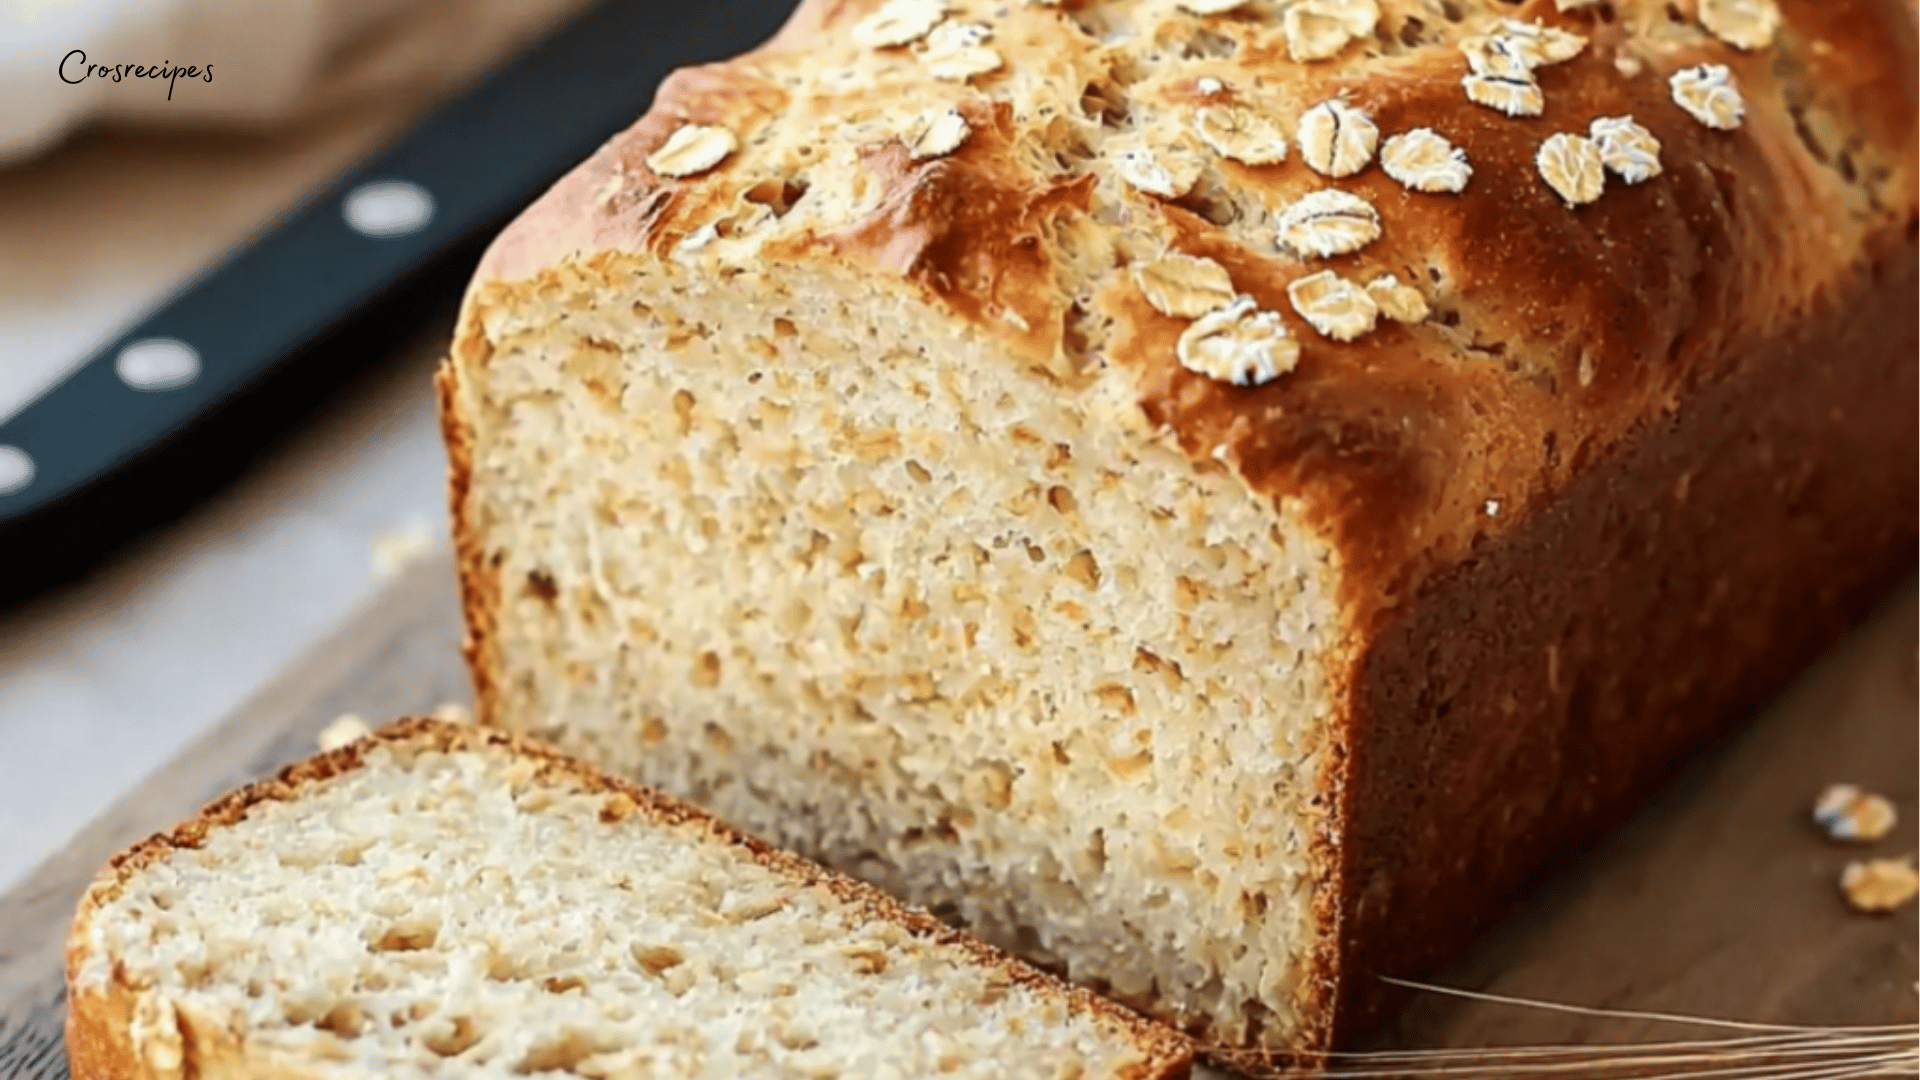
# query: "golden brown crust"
x,y
479,585
98,1023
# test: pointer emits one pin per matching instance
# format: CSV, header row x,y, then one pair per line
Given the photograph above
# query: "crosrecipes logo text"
x,y
75,69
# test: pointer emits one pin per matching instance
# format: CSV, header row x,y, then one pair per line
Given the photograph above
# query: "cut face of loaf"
x,y
978,482
435,901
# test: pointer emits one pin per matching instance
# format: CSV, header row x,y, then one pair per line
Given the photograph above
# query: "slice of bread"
x,y
435,900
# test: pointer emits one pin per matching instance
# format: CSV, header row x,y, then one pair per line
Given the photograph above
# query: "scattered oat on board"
x,y
1319,29
1210,7
1166,171
1708,93
1328,222
1336,139
1422,159
899,22
346,728
937,133
1743,24
1401,303
1626,148
1852,815
692,149
1333,305
1184,286
397,548
1245,135
1571,166
1879,886
1513,95
1239,344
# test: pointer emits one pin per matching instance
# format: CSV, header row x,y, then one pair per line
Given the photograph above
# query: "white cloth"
x,y
273,61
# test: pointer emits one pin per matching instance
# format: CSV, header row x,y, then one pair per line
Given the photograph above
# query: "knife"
x,y
186,398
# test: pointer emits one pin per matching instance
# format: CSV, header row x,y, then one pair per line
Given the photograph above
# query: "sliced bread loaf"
x,y
434,900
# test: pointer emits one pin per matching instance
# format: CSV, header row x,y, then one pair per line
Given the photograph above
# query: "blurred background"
x,y
112,199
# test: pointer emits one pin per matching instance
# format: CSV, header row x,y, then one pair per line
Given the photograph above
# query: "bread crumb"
x,y
1184,286
1336,139
1571,166
1879,886
1851,814
154,1031
1708,94
397,548
1328,222
346,728
1209,85
1240,133
692,149
1626,148
1424,160
1333,305
1401,303
1239,344
899,22
1743,24
452,712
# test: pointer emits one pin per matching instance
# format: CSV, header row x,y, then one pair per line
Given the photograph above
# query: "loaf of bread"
x,y
1216,495
434,901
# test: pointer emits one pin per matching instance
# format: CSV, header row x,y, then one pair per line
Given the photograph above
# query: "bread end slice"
x,y
439,896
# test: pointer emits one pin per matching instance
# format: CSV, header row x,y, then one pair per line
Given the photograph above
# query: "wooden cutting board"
x,y
1719,900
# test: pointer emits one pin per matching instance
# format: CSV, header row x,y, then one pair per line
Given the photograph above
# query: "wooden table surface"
x,y
1720,900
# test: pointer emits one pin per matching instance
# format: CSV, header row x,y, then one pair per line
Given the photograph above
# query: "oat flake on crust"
x,y
1423,159
1401,303
1240,133
937,133
1210,7
1743,24
692,149
1540,45
1571,166
1515,96
1166,171
1328,222
1627,149
1320,29
1708,93
1336,139
1239,344
1184,286
1333,305
899,22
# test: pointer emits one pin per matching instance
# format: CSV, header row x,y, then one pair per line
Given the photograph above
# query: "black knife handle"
x,y
335,260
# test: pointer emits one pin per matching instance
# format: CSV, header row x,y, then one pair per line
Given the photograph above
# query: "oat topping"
x,y
1401,303
1336,139
1628,64
1239,344
1515,96
1422,159
1878,886
346,728
1569,5
1240,133
1743,24
1209,85
937,133
1626,148
1184,286
1850,814
899,22
1708,93
693,149
1333,305
1319,29
955,52
1329,222
1166,171
1572,167
1497,56
1210,7
1542,45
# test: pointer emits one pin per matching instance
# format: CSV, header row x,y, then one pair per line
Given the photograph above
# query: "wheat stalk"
x,y
1751,1051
